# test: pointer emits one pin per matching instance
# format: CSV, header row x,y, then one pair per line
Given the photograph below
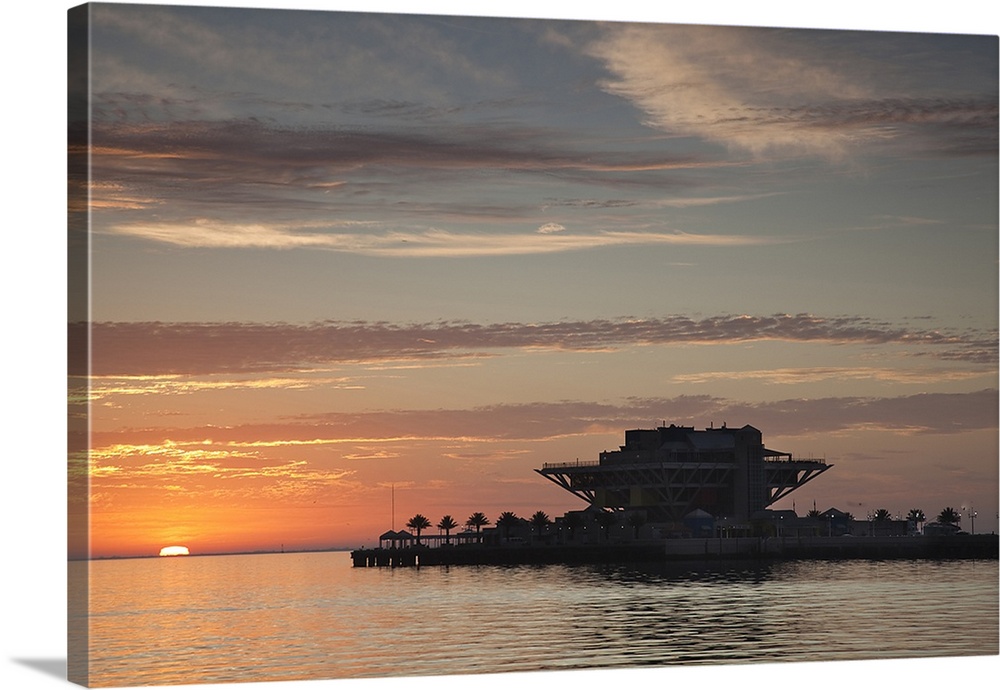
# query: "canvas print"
x,y
417,345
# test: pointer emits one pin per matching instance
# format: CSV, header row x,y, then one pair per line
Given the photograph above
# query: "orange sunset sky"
x,y
338,258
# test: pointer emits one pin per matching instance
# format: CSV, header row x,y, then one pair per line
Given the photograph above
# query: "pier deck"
x,y
983,546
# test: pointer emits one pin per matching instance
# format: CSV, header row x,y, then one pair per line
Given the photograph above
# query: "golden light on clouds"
x,y
814,374
462,273
430,242
175,384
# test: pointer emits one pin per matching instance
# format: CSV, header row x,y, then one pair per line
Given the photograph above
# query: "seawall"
x,y
982,546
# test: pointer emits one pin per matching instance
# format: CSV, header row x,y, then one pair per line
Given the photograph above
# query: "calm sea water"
x,y
276,617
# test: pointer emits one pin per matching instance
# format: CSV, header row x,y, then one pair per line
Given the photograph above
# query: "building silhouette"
x,y
672,471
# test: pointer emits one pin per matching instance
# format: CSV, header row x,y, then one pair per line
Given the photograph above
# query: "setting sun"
x,y
174,551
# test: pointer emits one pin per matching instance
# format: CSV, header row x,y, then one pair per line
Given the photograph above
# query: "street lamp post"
x,y
971,512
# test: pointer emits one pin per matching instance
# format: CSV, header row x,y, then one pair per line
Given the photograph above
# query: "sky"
x,y
347,268
34,281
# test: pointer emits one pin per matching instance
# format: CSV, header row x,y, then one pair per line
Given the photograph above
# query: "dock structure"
x,y
504,555
392,557
670,471
971,546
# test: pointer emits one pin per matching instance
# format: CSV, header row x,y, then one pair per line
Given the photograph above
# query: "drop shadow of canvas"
x,y
50,667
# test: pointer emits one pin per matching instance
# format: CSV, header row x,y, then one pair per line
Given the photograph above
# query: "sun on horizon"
x,y
174,551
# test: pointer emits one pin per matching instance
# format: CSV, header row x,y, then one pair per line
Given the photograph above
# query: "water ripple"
x,y
294,616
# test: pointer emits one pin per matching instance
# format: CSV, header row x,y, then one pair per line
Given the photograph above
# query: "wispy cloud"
x,y
204,348
940,413
174,384
788,376
283,154
246,53
758,91
365,191
679,202
188,463
549,238
549,228
348,174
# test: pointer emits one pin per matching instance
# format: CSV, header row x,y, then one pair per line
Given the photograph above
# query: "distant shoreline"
x,y
712,548
214,553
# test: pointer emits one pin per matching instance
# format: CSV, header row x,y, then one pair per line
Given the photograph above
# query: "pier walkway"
x,y
983,546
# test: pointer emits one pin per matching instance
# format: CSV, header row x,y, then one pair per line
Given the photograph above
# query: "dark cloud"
x,y
411,110
592,203
941,413
253,151
147,348
196,167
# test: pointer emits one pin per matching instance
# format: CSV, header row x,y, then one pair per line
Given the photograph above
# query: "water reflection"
x,y
282,617
747,572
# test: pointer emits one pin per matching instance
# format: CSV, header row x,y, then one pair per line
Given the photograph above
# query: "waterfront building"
x,y
672,472
941,529
838,523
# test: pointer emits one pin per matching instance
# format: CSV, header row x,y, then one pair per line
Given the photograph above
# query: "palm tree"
x,y
949,516
447,523
814,513
507,520
477,520
419,523
881,515
540,521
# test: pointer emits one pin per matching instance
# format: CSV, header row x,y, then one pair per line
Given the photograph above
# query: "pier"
x,y
977,546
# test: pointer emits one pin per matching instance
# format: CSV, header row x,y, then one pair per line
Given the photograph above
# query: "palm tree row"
x,y
948,516
540,521
418,523
507,520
